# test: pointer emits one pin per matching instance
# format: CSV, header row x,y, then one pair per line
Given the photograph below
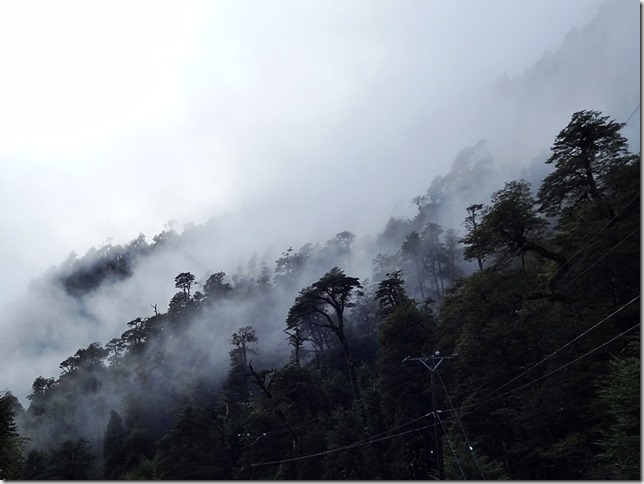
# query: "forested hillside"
x,y
504,343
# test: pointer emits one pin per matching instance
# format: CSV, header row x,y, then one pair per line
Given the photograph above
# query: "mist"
x,y
255,128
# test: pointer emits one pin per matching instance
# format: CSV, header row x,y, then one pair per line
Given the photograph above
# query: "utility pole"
x,y
432,363
249,438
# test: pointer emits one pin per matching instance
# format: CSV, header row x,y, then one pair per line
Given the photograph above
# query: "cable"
x,y
297,427
467,441
629,118
576,359
596,261
346,447
607,224
553,371
562,347
451,446
399,427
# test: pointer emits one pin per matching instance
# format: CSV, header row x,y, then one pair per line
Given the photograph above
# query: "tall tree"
x,y
184,281
241,340
114,457
329,297
584,153
391,293
471,225
509,228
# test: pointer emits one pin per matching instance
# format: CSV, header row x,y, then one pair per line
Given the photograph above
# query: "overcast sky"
x,y
119,116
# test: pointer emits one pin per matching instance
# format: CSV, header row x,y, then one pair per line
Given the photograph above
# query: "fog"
x,y
266,125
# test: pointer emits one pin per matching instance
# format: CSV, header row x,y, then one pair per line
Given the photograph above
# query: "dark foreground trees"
x,y
11,444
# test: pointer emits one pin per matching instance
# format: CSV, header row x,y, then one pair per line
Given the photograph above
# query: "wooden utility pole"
x,y
432,363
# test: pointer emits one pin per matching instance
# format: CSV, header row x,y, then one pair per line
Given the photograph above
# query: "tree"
x,y
509,228
419,200
289,266
184,281
71,460
240,340
215,287
391,293
11,444
237,388
620,394
91,358
34,467
412,257
193,448
135,336
426,262
383,265
406,331
114,456
593,193
179,302
115,347
471,226
584,153
343,241
329,297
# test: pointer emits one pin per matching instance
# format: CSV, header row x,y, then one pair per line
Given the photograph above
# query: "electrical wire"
x,y
297,427
629,118
602,257
451,446
372,439
577,359
338,449
562,347
486,400
398,427
606,225
467,441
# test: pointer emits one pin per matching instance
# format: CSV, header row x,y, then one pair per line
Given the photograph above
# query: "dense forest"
x,y
503,344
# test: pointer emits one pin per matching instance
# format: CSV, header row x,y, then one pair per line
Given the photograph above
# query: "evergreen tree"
x,y
114,456
584,154
11,444
193,448
71,460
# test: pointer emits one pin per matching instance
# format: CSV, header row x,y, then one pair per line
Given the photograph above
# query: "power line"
x,y
338,449
552,372
451,447
467,441
602,257
297,427
629,118
562,347
576,359
432,366
606,225
372,440
398,427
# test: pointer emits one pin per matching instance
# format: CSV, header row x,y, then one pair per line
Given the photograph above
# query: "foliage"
x,y
329,297
71,460
11,444
539,383
620,393
584,153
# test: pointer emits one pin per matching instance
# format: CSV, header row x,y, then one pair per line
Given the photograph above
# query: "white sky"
x,y
119,116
